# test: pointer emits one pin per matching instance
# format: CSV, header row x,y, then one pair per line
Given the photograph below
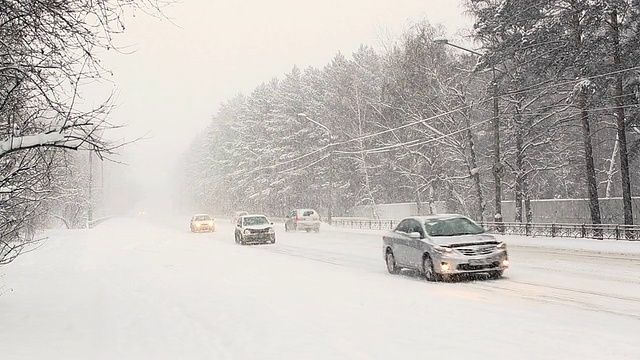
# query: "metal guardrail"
x,y
364,224
602,231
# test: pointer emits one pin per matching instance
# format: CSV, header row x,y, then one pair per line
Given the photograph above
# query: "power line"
x,y
413,143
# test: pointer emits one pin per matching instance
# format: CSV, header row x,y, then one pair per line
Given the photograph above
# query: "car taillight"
x,y
297,218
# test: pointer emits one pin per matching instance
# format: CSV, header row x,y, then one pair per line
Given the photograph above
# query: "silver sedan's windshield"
x,y
451,227
255,220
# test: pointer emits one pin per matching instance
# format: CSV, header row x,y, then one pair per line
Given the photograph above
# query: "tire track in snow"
x,y
327,257
563,296
547,293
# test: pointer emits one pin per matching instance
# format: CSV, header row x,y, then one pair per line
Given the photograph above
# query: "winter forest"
x,y
542,105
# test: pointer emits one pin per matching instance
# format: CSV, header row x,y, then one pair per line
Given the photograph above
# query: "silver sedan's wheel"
x,y
427,269
391,263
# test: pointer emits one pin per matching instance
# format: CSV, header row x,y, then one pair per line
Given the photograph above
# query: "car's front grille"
x,y
259,231
467,267
486,250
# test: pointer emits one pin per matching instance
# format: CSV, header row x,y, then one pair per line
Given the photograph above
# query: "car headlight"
x,y
210,223
271,231
442,249
247,232
501,246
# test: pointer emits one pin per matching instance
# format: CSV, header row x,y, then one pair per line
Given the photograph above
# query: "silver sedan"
x,y
439,246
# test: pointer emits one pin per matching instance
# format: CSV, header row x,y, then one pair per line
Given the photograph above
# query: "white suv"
x,y
302,219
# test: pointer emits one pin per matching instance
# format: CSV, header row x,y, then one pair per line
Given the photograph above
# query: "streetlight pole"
x,y
90,208
497,165
331,161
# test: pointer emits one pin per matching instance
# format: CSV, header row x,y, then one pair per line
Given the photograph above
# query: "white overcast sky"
x,y
179,73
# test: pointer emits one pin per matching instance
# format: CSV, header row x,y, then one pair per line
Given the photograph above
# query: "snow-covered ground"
x,y
137,289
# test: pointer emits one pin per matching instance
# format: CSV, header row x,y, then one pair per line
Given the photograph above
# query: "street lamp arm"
x,y
445,41
465,49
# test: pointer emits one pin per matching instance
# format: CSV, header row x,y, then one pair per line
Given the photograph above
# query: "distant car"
x,y
302,219
202,222
439,246
254,229
236,216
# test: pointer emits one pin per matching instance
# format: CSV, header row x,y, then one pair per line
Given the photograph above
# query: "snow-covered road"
x,y
135,289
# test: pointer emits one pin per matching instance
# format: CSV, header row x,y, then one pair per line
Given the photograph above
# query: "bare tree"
x,y
47,55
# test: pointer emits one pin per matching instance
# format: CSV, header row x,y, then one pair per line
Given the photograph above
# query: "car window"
x,y
403,226
309,213
255,220
452,227
203,218
414,226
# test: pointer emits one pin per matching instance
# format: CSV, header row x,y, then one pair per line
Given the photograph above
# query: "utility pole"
x,y
90,208
498,168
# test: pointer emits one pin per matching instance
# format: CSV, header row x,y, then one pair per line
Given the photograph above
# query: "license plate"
x,y
479,261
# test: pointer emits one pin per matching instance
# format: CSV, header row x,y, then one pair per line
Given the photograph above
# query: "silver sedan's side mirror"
x,y
415,235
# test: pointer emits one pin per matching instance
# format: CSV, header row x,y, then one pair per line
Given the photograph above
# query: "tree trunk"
x,y
418,200
592,186
367,184
620,124
527,199
518,198
590,172
474,171
612,169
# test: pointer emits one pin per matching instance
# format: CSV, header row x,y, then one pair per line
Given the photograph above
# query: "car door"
x,y
415,247
239,227
400,241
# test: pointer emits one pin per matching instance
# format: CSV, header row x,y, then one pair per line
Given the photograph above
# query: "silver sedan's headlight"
x,y
271,231
247,232
501,246
443,249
